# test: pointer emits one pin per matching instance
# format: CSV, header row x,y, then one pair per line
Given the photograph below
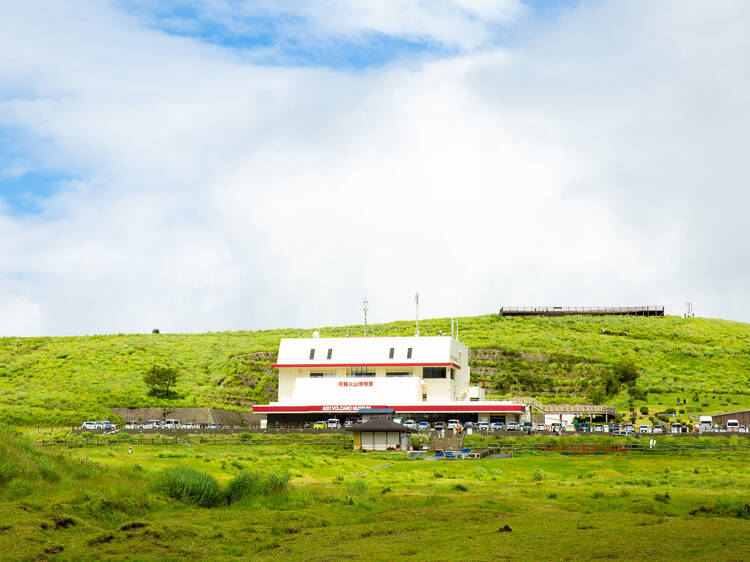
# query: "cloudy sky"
x,y
199,165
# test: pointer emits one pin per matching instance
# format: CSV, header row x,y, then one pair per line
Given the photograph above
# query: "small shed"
x,y
381,435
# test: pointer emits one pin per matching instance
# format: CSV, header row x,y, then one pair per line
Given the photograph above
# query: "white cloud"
x,y
601,162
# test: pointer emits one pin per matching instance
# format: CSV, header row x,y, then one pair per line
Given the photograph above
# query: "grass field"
x,y
99,502
60,381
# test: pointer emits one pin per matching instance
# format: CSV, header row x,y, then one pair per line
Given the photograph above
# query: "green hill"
x,y
625,361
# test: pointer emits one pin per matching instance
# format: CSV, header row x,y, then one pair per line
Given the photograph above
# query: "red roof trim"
x,y
501,408
317,365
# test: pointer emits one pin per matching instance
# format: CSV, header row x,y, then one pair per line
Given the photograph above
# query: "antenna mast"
x,y
365,308
416,300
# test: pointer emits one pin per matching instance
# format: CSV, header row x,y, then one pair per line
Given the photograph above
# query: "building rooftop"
x,y
381,424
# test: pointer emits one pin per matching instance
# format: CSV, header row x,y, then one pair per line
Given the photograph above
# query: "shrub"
x,y
460,488
644,410
190,486
247,483
539,474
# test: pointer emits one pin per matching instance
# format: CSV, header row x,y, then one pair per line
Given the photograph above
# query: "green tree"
x,y
160,378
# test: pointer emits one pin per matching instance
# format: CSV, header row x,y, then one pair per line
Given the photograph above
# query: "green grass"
x,y
341,504
59,381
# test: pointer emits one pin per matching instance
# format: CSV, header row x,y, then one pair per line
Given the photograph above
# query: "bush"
x,y
539,474
277,482
247,483
190,486
644,410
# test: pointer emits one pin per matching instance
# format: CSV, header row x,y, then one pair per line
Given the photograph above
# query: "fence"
x,y
322,441
608,448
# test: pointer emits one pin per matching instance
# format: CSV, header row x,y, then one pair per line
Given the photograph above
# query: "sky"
x,y
209,165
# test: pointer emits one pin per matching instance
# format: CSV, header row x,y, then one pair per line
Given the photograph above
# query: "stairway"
x,y
446,443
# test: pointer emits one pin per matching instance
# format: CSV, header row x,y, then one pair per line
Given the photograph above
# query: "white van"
x,y
454,424
333,423
171,424
705,423
733,425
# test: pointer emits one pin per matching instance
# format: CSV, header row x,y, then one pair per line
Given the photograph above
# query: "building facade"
x,y
422,378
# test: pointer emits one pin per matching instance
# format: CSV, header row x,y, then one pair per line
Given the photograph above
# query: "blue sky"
x,y
280,39
216,164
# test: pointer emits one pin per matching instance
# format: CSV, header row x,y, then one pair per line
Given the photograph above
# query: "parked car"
x,y
320,425
497,426
644,429
131,425
171,424
541,427
454,424
411,424
333,423
423,426
308,424
658,429
151,424
624,433
599,427
214,426
512,426
439,426
89,425
348,424
483,426
584,427
733,426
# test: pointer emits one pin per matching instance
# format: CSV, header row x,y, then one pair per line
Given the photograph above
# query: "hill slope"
x,y
57,381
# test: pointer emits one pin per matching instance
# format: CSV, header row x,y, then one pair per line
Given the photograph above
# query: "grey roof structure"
x,y
381,425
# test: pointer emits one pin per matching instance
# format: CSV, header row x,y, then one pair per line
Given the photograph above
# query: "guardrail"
x,y
323,441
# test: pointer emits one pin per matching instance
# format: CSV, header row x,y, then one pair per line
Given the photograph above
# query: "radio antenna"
x,y
416,300
365,308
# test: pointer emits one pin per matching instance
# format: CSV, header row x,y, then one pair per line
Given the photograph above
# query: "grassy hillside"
x,y
295,503
626,361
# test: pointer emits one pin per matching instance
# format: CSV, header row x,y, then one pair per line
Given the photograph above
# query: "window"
x,y
424,397
408,353
359,372
330,353
398,373
317,375
312,354
391,352
453,373
433,372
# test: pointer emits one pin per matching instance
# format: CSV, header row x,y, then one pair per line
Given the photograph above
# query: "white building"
x,y
418,377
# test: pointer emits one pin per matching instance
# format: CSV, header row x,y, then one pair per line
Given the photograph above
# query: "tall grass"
x,y
251,483
190,486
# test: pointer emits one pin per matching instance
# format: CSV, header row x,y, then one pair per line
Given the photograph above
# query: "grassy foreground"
x,y
61,381
102,502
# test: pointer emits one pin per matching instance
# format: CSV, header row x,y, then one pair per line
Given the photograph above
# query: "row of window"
x,y
391,353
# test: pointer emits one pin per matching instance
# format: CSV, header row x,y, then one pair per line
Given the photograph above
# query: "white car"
x,y
151,424
131,425
644,429
423,426
188,425
483,426
89,425
333,423
171,424
411,424
454,424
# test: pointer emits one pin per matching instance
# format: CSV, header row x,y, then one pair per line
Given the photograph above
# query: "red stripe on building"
x,y
322,365
472,408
